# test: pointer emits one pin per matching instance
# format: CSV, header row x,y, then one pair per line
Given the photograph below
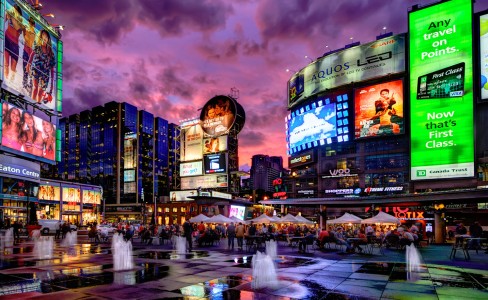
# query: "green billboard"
x,y
441,91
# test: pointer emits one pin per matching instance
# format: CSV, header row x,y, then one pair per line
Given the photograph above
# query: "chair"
x,y
373,243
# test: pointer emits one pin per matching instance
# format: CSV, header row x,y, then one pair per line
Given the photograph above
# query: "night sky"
x,y
169,57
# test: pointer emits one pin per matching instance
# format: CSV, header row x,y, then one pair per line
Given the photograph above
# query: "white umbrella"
x,y
198,218
346,218
219,219
237,220
262,219
303,220
276,219
289,218
381,217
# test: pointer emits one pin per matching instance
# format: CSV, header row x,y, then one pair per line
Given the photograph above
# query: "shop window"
x,y
183,209
175,209
166,209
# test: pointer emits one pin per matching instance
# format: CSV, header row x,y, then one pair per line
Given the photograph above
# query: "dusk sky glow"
x,y
170,57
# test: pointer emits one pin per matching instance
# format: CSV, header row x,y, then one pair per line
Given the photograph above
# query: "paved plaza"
x,y
85,271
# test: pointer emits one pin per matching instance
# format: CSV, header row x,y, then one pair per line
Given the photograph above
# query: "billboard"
x,y
49,192
379,110
215,163
237,211
32,56
484,55
220,114
191,168
205,182
71,194
191,143
215,144
324,121
92,197
364,62
441,91
182,195
25,134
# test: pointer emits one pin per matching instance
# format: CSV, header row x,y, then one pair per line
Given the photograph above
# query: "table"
x,y
463,243
295,240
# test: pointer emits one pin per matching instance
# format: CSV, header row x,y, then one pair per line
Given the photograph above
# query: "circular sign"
x,y
220,114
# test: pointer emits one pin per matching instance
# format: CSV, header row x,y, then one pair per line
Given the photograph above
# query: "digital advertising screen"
x,y
484,55
237,211
441,91
379,110
215,144
182,195
191,143
319,123
25,134
215,163
191,168
91,197
71,194
205,182
356,64
49,192
32,56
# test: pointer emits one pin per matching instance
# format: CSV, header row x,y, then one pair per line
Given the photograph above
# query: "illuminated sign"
x,y
91,197
221,195
306,192
218,115
237,211
191,143
19,168
191,168
71,194
49,192
379,110
32,56
322,122
368,61
301,160
182,195
205,182
215,163
25,134
441,91
484,55
215,144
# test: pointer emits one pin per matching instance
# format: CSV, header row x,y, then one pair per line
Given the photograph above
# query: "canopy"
x,y
289,218
346,218
237,220
198,218
263,219
219,219
381,217
276,219
303,220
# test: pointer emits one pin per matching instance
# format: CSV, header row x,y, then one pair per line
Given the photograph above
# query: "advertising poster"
x,y
441,91
191,168
205,182
215,163
379,110
218,115
357,64
237,211
91,197
192,143
215,144
30,56
49,192
25,134
71,194
182,195
484,55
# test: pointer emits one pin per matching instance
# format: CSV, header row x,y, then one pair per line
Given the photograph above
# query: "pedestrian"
x,y
57,227
187,231
240,235
231,233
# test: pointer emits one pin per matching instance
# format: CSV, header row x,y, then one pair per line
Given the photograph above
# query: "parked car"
x,y
49,225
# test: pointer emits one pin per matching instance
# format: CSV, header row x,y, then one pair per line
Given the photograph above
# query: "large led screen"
x,y
191,168
215,144
379,110
237,211
71,194
25,134
441,91
322,122
32,56
191,143
356,64
484,55
215,163
49,192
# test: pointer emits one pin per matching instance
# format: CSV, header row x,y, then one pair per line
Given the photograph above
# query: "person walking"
x,y
57,227
187,231
240,230
231,234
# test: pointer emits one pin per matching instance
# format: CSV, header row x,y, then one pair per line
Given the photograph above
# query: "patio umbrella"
x,y
303,220
289,218
276,219
346,218
198,218
381,217
237,220
262,219
219,219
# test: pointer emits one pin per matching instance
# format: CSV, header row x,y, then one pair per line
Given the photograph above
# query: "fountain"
x,y
70,239
263,271
272,249
412,257
180,245
7,241
122,253
43,246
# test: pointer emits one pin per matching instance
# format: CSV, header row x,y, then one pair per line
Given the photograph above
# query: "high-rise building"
x,y
126,151
264,170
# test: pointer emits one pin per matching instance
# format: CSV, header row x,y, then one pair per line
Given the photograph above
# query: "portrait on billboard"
x,y
484,55
71,194
191,141
91,197
379,110
30,52
218,115
25,133
215,144
49,192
